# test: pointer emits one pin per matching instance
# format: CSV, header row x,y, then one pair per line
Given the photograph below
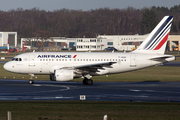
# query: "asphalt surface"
x,y
119,91
172,64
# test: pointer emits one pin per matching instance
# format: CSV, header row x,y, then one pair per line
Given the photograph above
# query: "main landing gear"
x,y
31,81
87,81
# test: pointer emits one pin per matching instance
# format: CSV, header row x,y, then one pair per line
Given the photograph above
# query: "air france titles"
x,y
54,56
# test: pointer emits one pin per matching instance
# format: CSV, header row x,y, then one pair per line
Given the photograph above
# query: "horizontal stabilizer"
x,y
162,58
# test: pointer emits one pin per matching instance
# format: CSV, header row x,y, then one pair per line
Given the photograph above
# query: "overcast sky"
x,y
50,5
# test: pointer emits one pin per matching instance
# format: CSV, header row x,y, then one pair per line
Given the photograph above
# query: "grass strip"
x,y
88,110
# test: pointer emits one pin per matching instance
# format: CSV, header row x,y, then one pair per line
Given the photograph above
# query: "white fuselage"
x,y
47,62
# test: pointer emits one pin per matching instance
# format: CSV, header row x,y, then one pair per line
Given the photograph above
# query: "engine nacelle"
x,y
63,75
102,72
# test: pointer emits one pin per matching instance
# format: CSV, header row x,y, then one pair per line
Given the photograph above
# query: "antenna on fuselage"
x,y
33,51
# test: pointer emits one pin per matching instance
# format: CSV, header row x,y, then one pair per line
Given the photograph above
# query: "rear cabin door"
x,y
133,61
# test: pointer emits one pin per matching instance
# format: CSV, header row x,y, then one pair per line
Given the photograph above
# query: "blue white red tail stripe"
x,y
160,33
161,42
157,39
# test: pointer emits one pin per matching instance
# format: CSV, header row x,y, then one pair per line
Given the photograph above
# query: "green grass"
x,y
177,59
87,110
12,54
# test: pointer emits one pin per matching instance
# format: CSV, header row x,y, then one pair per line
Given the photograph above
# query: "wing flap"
x,y
94,67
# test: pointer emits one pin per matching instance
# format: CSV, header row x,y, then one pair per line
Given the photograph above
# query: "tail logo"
x,y
160,35
162,42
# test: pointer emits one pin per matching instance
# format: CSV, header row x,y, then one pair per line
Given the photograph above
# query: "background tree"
x,y
42,38
149,21
78,23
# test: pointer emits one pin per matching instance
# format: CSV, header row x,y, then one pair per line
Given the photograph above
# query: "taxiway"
x,y
105,91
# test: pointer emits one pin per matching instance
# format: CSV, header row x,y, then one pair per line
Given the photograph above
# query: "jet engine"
x,y
63,75
102,72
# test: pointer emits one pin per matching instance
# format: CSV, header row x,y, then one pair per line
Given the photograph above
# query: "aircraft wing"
x,y
94,67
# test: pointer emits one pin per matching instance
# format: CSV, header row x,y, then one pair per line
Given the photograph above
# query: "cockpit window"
x,y
13,59
16,59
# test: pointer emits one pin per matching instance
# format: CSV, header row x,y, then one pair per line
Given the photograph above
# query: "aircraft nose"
x,y
6,66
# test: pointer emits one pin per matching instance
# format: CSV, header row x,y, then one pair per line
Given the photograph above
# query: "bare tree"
x,y
41,38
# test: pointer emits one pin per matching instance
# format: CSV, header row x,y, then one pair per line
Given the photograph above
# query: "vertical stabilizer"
x,y
157,40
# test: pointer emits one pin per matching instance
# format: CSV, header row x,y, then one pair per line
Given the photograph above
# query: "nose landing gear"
x,y
31,81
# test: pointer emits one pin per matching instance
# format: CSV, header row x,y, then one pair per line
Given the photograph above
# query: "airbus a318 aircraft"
x,y
65,66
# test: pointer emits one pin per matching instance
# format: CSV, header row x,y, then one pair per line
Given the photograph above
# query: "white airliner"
x,y
65,66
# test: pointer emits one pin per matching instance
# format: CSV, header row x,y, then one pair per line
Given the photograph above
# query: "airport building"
x,y
124,42
174,42
52,42
8,37
91,44
120,42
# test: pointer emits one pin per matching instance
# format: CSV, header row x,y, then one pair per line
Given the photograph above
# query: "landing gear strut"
x,y
52,77
87,81
31,81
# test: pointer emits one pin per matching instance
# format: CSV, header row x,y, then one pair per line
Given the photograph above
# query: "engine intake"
x,y
63,75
